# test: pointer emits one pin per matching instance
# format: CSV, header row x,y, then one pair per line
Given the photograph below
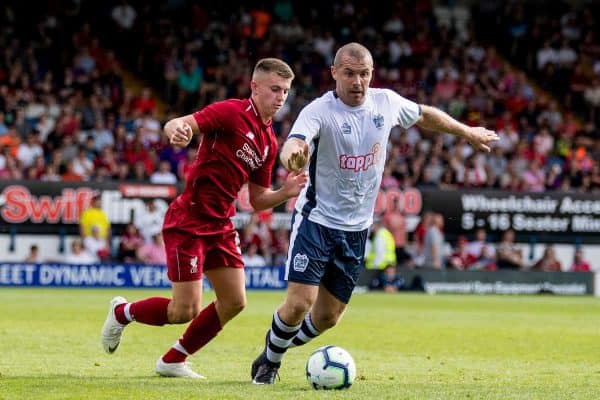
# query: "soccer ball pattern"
x,y
330,367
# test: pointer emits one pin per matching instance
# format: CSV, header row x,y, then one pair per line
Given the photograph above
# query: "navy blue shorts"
x,y
318,255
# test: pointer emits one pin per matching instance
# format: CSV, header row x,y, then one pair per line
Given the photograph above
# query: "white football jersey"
x,y
347,155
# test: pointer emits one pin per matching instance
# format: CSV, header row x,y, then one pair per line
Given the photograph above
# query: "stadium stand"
x,y
86,86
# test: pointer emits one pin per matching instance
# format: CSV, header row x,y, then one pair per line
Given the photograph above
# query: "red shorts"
x,y
193,245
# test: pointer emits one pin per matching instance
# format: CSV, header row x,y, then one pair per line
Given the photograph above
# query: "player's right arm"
x,y
181,130
295,151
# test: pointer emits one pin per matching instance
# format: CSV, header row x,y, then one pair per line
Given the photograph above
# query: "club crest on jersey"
x,y
194,265
300,262
346,128
378,121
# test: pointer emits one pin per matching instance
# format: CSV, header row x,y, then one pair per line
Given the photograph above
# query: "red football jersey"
x,y
236,147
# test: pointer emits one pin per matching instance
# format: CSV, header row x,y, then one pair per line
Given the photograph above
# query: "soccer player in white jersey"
x,y
343,134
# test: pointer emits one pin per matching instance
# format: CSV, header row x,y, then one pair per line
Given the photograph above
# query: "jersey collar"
x,y
350,108
257,114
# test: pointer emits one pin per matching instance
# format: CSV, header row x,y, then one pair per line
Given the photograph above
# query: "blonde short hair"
x,y
275,65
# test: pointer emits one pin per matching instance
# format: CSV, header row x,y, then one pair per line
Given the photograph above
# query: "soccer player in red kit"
x,y
237,145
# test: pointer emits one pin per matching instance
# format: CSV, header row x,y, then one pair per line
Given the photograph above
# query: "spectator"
x,y
163,176
257,231
148,129
130,242
280,245
381,252
97,245
548,262
82,165
477,246
461,259
79,255
103,137
252,258
534,179
395,221
486,261
579,263
95,216
153,252
388,280
509,255
34,255
145,103
434,243
149,221
29,150
421,230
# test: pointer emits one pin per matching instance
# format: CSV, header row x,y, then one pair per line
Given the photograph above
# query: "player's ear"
x,y
253,85
333,72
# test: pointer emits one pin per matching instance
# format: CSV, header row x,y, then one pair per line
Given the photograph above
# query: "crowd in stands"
x,y
430,249
69,113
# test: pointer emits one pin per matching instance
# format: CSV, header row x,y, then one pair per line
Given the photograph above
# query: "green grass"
x,y
406,346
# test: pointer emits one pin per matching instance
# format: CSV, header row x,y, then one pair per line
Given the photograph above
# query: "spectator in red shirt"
x,y
145,103
579,264
461,258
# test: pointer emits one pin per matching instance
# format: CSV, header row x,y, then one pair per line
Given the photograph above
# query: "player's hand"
x,y
180,133
298,159
480,138
294,183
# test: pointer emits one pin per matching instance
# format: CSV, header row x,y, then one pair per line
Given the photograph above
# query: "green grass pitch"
x,y
406,346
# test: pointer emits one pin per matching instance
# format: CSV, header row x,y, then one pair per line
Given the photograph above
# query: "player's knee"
x,y
230,308
184,313
236,306
298,308
328,320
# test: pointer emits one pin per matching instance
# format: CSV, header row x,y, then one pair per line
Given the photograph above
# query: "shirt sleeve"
x,y
307,125
406,112
211,117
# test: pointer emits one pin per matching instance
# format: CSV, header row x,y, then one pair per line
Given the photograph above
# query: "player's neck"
x,y
348,102
264,117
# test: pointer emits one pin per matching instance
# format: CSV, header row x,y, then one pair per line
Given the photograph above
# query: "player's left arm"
x,y
437,120
263,198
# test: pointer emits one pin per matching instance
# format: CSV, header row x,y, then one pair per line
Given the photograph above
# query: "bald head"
x,y
352,71
354,51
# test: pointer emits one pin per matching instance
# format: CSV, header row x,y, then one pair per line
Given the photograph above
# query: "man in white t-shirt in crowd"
x,y
252,258
78,254
97,245
480,246
163,175
149,220
344,133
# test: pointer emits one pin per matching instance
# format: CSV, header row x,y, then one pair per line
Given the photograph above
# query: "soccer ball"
x,y
330,367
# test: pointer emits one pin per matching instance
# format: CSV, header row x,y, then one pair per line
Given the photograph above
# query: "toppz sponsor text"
x,y
361,162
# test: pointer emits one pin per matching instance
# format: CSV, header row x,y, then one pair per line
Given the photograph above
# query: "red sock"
x,y
151,311
120,314
200,331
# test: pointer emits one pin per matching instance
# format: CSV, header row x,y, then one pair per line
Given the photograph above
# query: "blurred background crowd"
x,y
86,86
